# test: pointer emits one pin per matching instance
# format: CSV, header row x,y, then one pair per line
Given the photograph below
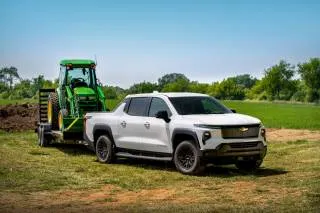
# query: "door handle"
x,y
147,125
123,124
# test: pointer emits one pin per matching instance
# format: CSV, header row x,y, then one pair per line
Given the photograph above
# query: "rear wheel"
x,y
248,165
53,110
105,150
187,158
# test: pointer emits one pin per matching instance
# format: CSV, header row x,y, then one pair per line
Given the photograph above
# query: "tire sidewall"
x,y
110,150
195,168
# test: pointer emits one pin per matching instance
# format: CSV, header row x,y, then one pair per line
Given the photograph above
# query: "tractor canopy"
x,y
77,62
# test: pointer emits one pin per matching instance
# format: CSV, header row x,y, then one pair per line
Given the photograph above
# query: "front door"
x,y
157,132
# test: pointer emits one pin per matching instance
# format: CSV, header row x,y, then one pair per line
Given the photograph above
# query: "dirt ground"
x,y
283,135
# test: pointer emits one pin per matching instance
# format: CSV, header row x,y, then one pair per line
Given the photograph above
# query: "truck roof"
x,y
76,62
168,94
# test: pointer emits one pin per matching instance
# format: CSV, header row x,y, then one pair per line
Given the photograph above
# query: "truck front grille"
x,y
246,131
243,145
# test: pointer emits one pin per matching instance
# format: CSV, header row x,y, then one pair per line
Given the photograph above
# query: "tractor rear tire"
x,y
53,110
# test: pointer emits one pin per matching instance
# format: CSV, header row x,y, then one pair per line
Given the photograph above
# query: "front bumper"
x,y
237,151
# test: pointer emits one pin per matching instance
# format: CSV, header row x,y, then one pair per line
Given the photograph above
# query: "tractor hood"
x,y
84,91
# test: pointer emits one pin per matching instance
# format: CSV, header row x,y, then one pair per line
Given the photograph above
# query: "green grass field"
x,y
64,177
280,115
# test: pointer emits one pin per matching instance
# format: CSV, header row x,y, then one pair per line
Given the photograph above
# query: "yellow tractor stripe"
x,y
72,124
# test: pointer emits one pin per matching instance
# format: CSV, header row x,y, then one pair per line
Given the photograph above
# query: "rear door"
x,y
131,128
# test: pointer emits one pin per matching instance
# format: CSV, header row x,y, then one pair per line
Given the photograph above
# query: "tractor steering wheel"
x,y
76,82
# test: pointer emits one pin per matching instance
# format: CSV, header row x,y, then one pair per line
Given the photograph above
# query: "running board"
x,y
128,155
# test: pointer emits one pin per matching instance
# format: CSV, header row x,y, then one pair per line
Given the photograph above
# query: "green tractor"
x,y
78,93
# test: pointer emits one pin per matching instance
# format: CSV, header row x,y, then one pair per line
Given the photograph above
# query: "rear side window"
x,y
138,106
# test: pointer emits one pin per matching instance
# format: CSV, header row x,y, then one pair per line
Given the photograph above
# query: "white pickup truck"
x,y
189,129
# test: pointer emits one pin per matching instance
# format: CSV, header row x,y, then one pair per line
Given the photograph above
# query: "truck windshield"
x,y
81,77
198,105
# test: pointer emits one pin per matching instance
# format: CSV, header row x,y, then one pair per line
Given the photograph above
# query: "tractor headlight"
x,y
87,98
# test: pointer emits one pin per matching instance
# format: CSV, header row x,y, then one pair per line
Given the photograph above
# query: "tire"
x,y
187,158
249,165
42,141
53,110
105,150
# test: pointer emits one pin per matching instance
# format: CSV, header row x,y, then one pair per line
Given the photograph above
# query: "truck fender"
x,y
102,129
180,132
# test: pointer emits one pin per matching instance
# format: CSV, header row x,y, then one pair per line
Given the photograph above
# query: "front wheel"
x,y
249,165
105,150
187,158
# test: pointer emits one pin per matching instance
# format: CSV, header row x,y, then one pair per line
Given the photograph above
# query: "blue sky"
x,y
137,41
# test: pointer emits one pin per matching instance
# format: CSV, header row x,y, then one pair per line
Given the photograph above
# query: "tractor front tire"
x,y
53,110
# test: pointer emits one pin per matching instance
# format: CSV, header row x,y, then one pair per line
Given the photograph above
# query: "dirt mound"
x,y
18,117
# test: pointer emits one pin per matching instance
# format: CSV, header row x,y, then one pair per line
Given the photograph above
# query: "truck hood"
x,y
83,91
227,119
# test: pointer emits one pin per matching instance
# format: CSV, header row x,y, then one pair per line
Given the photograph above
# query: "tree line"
x,y
282,81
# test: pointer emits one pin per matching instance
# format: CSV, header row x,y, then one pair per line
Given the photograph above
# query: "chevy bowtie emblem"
x,y
243,129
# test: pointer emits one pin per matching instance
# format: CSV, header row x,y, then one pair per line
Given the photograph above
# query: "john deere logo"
x,y
243,129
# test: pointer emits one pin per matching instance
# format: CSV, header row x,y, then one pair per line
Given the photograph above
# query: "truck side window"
x,y
157,104
138,106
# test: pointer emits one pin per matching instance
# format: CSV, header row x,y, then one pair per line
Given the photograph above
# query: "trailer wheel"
x,y
53,110
42,141
105,150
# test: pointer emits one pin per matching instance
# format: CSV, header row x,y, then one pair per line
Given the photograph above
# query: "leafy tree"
x,y
245,80
112,92
310,73
257,92
227,89
8,75
197,87
170,78
278,78
180,85
143,87
3,87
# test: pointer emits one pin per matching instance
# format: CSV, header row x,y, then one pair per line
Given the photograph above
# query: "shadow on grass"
x,y
230,171
73,149
218,171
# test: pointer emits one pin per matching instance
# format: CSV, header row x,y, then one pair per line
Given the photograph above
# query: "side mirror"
x,y
163,115
233,110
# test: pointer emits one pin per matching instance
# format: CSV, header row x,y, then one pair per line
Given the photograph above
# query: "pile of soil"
x,y
18,117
